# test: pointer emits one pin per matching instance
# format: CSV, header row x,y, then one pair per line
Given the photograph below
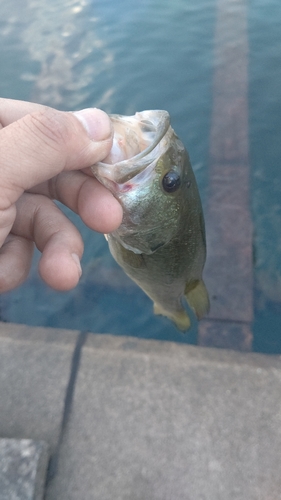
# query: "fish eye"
x,y
171,181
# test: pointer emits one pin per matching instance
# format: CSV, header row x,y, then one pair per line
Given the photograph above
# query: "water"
x,y
124,56
265,126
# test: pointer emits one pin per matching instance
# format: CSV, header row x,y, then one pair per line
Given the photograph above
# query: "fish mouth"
x,y
136,144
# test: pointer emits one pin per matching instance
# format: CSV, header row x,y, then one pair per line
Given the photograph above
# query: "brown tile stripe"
x,y
228,272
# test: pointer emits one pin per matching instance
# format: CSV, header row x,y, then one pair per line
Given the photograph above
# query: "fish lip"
x,y
104,171
162,124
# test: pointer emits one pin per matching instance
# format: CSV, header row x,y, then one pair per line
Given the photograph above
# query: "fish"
x,y
161,242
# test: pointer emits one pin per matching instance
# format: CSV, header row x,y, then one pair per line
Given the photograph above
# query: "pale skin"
x,y
45,154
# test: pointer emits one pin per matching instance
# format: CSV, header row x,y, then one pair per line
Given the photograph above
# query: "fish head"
x,y
149,172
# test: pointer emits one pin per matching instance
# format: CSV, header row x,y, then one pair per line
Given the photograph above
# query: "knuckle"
x,y
50,126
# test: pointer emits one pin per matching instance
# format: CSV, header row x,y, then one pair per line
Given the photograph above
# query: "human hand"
x,y
42,152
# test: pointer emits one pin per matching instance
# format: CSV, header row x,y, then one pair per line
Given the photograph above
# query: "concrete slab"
x,y
229,267
234,335
34,373
23,465
160,421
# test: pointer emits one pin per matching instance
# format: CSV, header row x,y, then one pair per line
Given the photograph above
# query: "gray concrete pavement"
x,y
34,373
149,420
23,466
161,421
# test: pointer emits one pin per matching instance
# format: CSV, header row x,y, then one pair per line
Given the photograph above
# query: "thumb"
x,y
40,145
44,143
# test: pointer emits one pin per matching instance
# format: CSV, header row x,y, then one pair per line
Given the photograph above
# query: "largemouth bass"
x,y
161,241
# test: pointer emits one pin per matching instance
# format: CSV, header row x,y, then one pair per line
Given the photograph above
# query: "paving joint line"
x,y
68,403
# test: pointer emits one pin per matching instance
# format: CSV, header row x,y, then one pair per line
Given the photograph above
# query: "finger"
x,y
43,144
40,220
15,262
87,197
40,145
12,110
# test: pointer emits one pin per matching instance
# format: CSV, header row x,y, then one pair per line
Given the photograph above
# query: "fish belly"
x,y
167,294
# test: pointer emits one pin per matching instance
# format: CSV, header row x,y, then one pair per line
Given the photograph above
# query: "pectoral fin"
x,y
197,297
180,318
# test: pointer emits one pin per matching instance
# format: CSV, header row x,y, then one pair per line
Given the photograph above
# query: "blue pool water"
x,y
123,57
